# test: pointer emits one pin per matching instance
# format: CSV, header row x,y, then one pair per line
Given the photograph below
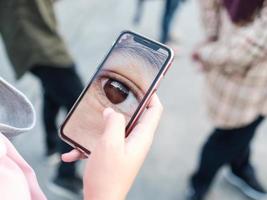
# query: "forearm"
x,y
211,17
239,53
102,197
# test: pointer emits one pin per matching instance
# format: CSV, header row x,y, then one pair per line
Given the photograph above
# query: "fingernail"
x,y
62,157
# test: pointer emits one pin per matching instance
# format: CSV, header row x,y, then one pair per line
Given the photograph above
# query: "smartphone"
x,y
124,81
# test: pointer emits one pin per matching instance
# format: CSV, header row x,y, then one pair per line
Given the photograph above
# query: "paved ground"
x,y
89,28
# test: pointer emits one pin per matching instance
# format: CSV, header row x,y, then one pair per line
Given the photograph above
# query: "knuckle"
x,y
121,117
160,108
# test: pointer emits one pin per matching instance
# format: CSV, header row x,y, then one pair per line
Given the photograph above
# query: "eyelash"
x,y
133,88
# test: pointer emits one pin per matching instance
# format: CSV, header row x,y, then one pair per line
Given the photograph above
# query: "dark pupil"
x,y
116,91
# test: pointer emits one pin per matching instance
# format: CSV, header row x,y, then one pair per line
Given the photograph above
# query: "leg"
x,y
64,86
169,11
241,159
50,111
243,175
139,11
222,147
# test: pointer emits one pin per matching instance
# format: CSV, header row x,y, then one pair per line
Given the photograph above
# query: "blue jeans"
x,y
168,16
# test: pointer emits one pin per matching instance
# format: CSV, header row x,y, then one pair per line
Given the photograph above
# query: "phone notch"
x,y
147,43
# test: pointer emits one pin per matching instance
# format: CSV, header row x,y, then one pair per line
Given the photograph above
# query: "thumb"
x,y
114,131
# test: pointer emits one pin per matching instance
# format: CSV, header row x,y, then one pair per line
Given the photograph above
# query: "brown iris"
x,y
116,91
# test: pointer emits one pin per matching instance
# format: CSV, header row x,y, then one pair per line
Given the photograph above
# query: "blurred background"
x,y
89,29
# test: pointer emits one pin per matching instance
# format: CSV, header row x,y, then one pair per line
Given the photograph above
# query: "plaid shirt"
x,y
237,79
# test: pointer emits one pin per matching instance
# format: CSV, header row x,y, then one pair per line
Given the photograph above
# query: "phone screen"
x,y
121,82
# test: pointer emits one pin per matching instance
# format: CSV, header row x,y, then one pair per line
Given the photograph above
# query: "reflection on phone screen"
x,y
121,83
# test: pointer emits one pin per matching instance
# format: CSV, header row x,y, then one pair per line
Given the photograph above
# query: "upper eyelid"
x,y
123,79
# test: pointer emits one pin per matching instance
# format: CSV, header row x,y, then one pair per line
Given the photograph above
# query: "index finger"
x,y
142,134
72,156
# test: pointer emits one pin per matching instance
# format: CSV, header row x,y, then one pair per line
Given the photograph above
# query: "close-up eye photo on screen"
x,y
121,83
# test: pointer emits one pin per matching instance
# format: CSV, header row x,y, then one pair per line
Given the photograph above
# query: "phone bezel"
x,y
142,104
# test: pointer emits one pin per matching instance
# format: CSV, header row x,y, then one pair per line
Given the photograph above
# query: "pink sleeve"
x,y
17,179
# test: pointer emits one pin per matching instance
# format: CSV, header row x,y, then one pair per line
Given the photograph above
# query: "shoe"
x,y
78,181
247,182
192,194
50,152
67,187
53,156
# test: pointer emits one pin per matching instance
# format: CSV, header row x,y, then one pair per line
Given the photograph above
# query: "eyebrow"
x,y
155,58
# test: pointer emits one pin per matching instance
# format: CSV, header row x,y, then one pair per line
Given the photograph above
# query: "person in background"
x,y
170,9
234,60
33,44
167,19
138,11
114,158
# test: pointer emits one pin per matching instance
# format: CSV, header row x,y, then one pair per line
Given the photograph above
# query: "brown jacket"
x,y
30,35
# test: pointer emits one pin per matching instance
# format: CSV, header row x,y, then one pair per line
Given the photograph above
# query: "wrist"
x,y
103,195
213,38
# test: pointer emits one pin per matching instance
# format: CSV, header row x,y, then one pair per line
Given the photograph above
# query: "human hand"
x,y
116,160
199,55
202,65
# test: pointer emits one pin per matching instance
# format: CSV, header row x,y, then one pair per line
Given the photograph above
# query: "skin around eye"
x,y
124,103
113,90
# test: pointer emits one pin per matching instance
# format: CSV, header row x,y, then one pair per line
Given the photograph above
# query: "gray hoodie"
x,y
16,112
